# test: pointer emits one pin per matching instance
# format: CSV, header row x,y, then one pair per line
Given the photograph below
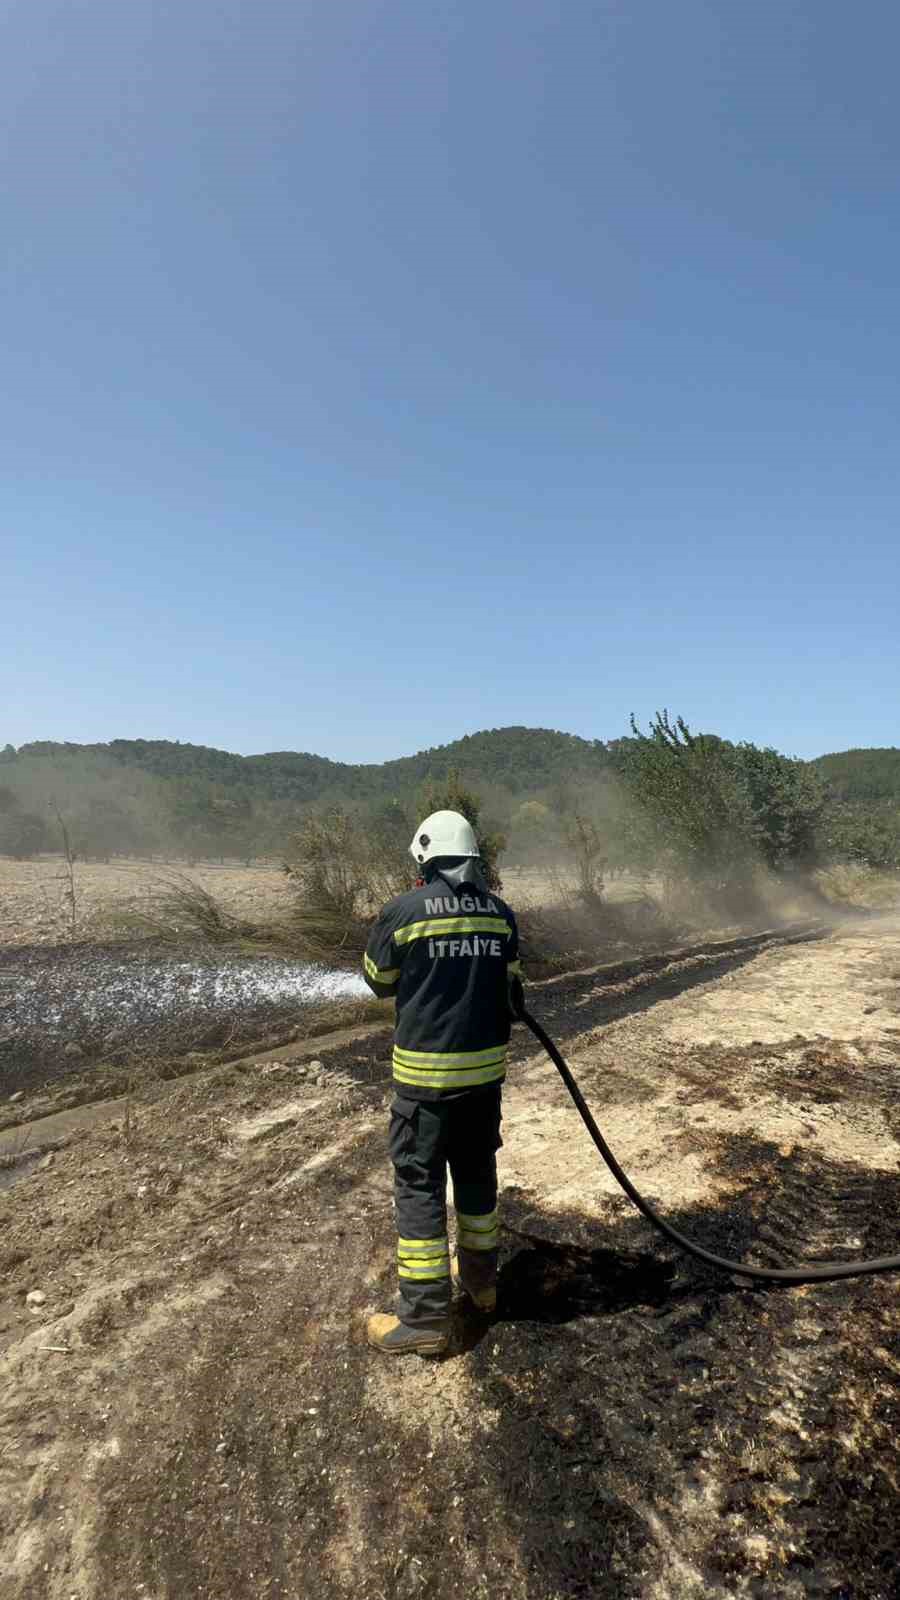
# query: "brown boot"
x,y
483,1297
397,1339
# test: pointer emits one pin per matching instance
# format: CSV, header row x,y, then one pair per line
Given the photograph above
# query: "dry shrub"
x,y
570,934
344,870
587,847
177,909
862,888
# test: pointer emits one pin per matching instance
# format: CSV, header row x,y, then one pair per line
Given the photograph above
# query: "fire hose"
x,y
820,1272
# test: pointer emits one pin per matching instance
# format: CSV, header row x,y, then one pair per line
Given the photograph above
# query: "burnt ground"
x,y
193,1412
85,1021
66,1009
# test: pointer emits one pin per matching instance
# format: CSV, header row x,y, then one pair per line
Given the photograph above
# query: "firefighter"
x,y
448,950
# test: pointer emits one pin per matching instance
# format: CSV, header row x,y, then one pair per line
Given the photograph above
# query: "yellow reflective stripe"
x,y
423,1260
450,1078
476,1224
444,925
458,1058
472,1074
515,968
380,974
477,1233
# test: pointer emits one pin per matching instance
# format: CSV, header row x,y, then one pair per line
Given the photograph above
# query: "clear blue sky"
x,y
374,373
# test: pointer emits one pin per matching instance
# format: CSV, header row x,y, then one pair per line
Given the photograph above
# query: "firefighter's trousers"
x,y
427,1137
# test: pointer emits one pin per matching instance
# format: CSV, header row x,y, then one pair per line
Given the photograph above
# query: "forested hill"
x,y
140,796
863,775
143,794
519,758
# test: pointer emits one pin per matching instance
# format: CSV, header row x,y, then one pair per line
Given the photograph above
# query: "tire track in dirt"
x,y
824,1449
722,1422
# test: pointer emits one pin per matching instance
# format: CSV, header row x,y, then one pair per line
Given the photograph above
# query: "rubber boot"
x,y
396,1338
482,1295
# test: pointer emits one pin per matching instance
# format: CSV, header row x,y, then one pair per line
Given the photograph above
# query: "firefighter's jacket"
x,y
447,954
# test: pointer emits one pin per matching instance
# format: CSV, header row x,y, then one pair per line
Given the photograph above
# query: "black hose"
x,y
826,1272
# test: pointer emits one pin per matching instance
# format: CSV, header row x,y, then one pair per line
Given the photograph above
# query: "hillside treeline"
x,y
662,799
180,801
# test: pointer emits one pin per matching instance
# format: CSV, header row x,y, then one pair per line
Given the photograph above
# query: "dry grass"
x,y
177,907
863,888
567,934
33,909
318,933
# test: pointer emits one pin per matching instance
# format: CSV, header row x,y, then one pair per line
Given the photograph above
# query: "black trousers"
x,y
427,1137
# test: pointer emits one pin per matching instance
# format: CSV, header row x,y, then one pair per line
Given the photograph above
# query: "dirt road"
x,y
192,1414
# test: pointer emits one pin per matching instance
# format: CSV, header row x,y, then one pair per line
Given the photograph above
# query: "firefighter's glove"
x,y
516,998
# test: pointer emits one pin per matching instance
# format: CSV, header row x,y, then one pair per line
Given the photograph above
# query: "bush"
x,y
782,803
713,811
345,868
864,835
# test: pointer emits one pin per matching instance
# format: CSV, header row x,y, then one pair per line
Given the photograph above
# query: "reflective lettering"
x,y
495,947
449,905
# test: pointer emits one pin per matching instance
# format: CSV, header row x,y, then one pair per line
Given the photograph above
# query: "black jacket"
x,y
447,954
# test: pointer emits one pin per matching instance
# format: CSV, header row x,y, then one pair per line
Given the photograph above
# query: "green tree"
x,y
713,810
107,830
782,803
685,802
388,829
864,834
23,835
534,832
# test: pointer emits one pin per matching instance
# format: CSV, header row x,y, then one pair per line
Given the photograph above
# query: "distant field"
x,y
33,909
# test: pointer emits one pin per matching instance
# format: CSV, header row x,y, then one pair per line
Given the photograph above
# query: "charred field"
x,y
193,1410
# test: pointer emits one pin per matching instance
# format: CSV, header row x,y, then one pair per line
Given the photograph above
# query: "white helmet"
x,y
444,833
